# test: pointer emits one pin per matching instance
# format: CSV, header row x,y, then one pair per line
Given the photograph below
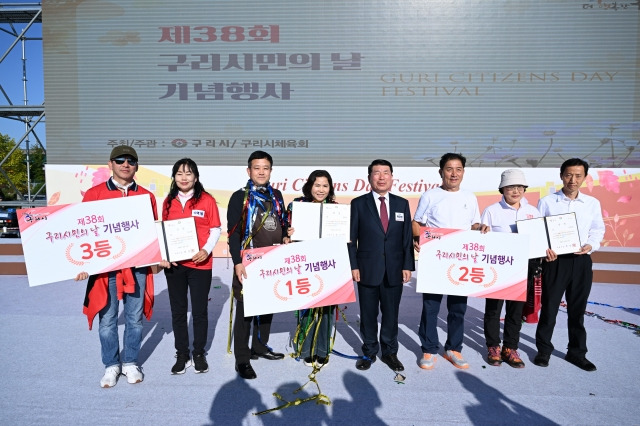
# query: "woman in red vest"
x,y
187,198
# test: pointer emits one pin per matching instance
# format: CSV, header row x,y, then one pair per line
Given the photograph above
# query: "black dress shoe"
x,y
365,364
580,362
246,371
270,355
393,362
542,360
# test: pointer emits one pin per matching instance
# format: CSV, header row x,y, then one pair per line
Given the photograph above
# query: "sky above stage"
x,y
11,74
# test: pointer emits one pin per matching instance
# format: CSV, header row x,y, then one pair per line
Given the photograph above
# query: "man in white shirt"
x,y
571,274
447,206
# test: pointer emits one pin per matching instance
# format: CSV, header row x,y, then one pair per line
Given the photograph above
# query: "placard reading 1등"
x,y
302,275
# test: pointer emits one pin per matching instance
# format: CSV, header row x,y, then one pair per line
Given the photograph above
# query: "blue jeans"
x,y
428,331
133,304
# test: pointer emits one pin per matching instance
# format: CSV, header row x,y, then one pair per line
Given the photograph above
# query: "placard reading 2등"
x,y
469,263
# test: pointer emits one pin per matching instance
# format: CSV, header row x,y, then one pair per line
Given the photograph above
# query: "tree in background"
x,y
37,158
13,169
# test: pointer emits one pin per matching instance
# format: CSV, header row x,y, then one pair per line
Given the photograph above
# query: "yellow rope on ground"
x,y
230,323
319,398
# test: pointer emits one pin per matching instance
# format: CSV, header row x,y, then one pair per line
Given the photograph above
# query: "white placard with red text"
x,y
294,276
98,236
469,263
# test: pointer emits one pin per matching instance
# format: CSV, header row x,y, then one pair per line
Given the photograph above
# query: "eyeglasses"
x,y
119,161
518,188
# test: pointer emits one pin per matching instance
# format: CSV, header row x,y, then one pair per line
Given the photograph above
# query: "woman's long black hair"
x,y
306,189
198,189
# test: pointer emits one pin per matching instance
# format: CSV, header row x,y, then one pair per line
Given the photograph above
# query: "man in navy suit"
x,y
381,255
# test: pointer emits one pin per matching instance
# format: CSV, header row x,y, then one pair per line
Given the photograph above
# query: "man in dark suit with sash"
x,y
381,255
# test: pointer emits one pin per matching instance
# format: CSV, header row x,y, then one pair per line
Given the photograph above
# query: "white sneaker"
x,y
428,361
133,373
456,359
110,377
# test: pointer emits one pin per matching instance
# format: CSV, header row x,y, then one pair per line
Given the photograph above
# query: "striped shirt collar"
x,y
113,186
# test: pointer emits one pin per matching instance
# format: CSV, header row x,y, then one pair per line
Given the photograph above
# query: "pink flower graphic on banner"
x,y
100,175
54,199
622,216
621,236
589,182
609,181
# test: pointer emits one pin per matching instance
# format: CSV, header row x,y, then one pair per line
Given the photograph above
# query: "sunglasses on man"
x,y
120,161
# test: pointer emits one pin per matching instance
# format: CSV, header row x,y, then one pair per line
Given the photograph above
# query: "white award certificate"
x,y
178,239
563,233
559,233
305,219
312,221
336,221
537,232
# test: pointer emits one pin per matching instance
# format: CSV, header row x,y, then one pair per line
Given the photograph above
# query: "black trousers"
x,y
180,281
373,299
512,322
512,318
571,275
243,326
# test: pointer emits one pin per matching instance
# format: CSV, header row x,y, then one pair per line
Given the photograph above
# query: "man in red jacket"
x,y
134,286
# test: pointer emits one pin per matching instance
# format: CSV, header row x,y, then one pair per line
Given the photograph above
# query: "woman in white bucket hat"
x,y
502,217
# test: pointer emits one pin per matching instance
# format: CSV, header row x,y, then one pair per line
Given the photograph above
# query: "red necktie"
x,y
384,216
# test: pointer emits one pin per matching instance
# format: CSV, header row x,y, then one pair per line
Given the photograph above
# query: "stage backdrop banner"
x,y
469,263
301,275
614,188
523,83
98,236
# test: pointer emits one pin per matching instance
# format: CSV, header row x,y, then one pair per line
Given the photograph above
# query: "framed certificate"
x,y
178,239
319,220
558,232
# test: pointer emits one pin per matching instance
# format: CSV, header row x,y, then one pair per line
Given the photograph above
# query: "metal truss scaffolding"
x,y
14,15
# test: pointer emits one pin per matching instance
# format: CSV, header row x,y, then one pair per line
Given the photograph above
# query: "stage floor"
x,y
51,369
